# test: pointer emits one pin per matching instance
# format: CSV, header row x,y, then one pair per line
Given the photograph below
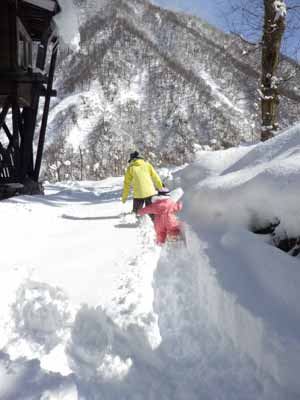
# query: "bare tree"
x,y
272,25
81,163
273,29
247,19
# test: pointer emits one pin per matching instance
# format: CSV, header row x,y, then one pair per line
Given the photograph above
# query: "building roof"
x,y
37,15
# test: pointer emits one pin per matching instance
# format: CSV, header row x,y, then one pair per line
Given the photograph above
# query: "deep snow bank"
x,y
259,188
255,295
217,319
215,348
24,379
106,341
182,337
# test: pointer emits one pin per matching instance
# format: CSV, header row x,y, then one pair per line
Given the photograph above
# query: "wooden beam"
x,y
12,17
20,123
26,143
6,162
41,143
43,92
29,116
16,135
7,132
4,111
2,149
42,50
23,77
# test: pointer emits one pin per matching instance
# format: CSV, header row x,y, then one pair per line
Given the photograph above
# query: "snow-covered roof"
x,y
67,23
49,5
37,16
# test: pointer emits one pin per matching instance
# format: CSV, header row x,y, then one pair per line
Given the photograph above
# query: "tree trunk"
x,y
81,163
274,26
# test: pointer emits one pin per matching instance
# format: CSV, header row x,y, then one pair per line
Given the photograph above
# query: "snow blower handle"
x,y
176,194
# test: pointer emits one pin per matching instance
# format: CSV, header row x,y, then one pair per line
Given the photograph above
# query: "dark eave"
x,y
47,5
36,16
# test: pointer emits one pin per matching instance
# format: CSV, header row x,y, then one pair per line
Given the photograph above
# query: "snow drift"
x,y
259,188
255,302
98,311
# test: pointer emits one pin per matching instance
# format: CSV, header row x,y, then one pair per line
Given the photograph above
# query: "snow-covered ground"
x,y
91,308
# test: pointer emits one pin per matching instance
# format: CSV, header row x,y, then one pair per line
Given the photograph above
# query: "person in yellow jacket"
x,y
144,179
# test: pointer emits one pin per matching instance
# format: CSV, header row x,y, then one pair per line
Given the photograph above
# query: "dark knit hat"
x,y
133,156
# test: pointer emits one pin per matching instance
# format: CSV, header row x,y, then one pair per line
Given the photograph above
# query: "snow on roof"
x,y
46,4
67,23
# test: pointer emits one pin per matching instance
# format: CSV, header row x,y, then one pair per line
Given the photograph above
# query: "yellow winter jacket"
x,y
141,174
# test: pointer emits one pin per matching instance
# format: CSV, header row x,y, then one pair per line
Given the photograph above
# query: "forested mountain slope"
x,y
149,78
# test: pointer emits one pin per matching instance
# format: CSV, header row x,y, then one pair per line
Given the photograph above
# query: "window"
x,y
24,47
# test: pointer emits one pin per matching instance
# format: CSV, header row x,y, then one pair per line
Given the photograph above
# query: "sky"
x,y
207,9
215,12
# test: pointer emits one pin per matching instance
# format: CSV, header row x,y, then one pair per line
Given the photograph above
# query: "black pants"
x,y
139,203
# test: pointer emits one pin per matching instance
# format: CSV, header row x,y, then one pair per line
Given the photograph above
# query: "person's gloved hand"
x,y
164,190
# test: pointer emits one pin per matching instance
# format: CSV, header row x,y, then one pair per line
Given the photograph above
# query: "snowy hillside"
x,y
163,82
91,308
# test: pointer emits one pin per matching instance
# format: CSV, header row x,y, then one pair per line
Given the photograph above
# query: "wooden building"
x,y
28,51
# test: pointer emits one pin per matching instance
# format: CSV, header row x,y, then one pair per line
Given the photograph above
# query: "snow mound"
x,y
208,164
206,335
131,306
104,341
24,379
251,294
216,317
41,314
91,346
260,188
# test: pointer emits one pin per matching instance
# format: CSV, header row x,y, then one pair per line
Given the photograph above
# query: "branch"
x,y
293,8
256,44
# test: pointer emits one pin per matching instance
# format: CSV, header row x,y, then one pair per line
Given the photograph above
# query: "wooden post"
x,y
12,17
29,118
4,111
41,143
16,137
42,51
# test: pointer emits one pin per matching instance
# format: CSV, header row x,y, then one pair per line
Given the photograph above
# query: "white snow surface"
x,y
67,23
221,99
91,308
